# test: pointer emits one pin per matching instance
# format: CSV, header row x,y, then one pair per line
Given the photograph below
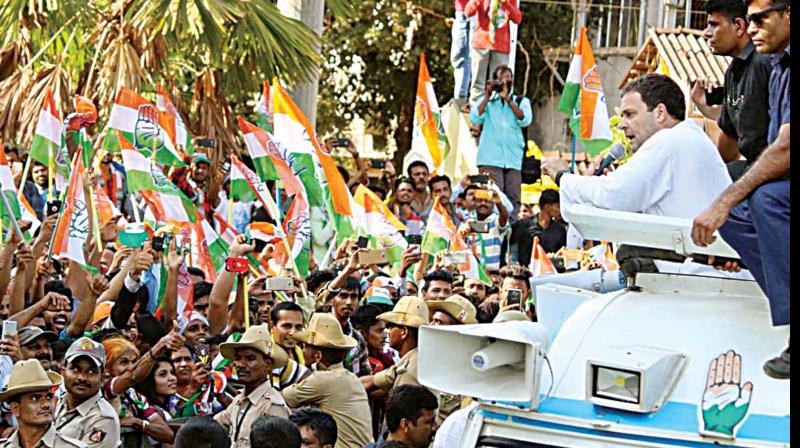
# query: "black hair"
x,y
402,180
379,191
366,316
408,401
269,431
60,348
344,173
658,89
196,271
500,69
202,289
437,179
351,283
10,148
202,432
392,444
318,421
771,2
101,335
148,386
274,314
731,9
318,277
548,197
470,187
415,164
58,287
331,356
150,329
439,274
515,271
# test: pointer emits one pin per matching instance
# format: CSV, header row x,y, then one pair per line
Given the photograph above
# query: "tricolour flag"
x,y
472,268
106,209
167,202
185,298
379,223
141,124
72,231
8,190
297,227
540,262
48,137
269,157
173,123
28,214
584,101
212,249
439,231
264,108
428,140
263,231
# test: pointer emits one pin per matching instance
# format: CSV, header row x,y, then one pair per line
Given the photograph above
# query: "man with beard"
x,y
82,412
419,174
254,356
743,117
401,206
547,225
30,397
39,174
345,304
489,242
198,186
34,343
287,321
330,387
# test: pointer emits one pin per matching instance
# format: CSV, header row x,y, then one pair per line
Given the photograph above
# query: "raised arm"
x,y
218,300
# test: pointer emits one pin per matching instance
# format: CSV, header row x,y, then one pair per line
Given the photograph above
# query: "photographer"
x,y
500,151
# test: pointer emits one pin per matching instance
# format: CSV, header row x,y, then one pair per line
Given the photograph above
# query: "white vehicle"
x,y
671,360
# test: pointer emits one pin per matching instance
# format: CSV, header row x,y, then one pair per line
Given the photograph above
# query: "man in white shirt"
x,y
675,171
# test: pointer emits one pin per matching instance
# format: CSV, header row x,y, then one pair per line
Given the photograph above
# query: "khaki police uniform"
x,y
239,417
93,422
338,392
404,372
51,439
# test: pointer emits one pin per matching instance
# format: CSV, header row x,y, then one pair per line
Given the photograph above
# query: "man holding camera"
x,y
743,117
486,233
501,147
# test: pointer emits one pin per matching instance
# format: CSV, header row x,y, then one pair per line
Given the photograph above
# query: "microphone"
x,y
616,151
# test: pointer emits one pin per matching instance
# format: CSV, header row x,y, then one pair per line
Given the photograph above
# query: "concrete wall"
x,y
549,130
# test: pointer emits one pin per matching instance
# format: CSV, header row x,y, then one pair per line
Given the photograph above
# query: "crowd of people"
x,y
99,355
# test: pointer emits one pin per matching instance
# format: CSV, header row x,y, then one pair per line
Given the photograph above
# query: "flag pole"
x,y
51,168
24,176
246,303
12,218
572,167
60,215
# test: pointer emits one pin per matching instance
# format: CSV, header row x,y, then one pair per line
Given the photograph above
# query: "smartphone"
x,y
238,265
414,239
479,179
378,164
205,142
342,142
373,256
158,243
362,242
715,96
9,328
514,297
483,194
53,207
279,284
226,166
454,258
479,226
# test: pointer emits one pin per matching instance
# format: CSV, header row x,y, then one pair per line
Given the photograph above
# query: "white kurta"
x,y
677,172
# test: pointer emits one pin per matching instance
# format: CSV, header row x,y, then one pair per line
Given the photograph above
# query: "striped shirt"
x,y
487,245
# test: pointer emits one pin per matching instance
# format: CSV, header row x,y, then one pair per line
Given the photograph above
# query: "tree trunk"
x,y
310,12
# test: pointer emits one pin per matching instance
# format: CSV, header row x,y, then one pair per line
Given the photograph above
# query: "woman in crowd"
x,y
199,391
160,389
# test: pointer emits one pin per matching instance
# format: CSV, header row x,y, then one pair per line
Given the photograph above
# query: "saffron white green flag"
x,y
428,140
439,231
584,102
48,146
166,201
8,190
173,123
376,221
72,231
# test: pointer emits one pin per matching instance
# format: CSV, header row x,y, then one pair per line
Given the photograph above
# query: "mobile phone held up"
x,y
279,284
362,243
479,226
514,297
414,239
9,328
482,179
53,207
377,164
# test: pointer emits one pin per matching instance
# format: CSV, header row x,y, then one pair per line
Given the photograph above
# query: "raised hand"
x,y
725,400
240,248
148,136
175,257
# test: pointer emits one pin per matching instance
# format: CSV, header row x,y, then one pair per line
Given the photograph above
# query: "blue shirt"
x,y
779,94
501,144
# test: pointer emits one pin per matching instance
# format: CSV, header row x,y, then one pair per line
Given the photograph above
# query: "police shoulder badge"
x,y
97,435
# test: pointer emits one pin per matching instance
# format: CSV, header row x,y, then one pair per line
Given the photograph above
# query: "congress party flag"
x,y
540,262
166,201
472,268
106,209
72,231
297,226
428,140
440,230
376,221
141,124
263,231
264,108
269,157
584,101
212,249
173,123
49,132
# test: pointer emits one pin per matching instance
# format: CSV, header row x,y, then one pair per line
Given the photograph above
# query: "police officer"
x,y
455,310
82,413
331,387
403,324
31,399
254,357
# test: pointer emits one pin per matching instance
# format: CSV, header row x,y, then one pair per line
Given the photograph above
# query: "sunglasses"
x,y
758,17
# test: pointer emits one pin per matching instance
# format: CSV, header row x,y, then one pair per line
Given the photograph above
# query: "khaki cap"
x,y
257,338
88,348
409,311
457,306
29,376
325,331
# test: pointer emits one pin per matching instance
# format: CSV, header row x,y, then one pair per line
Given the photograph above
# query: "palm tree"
x,y
210,55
